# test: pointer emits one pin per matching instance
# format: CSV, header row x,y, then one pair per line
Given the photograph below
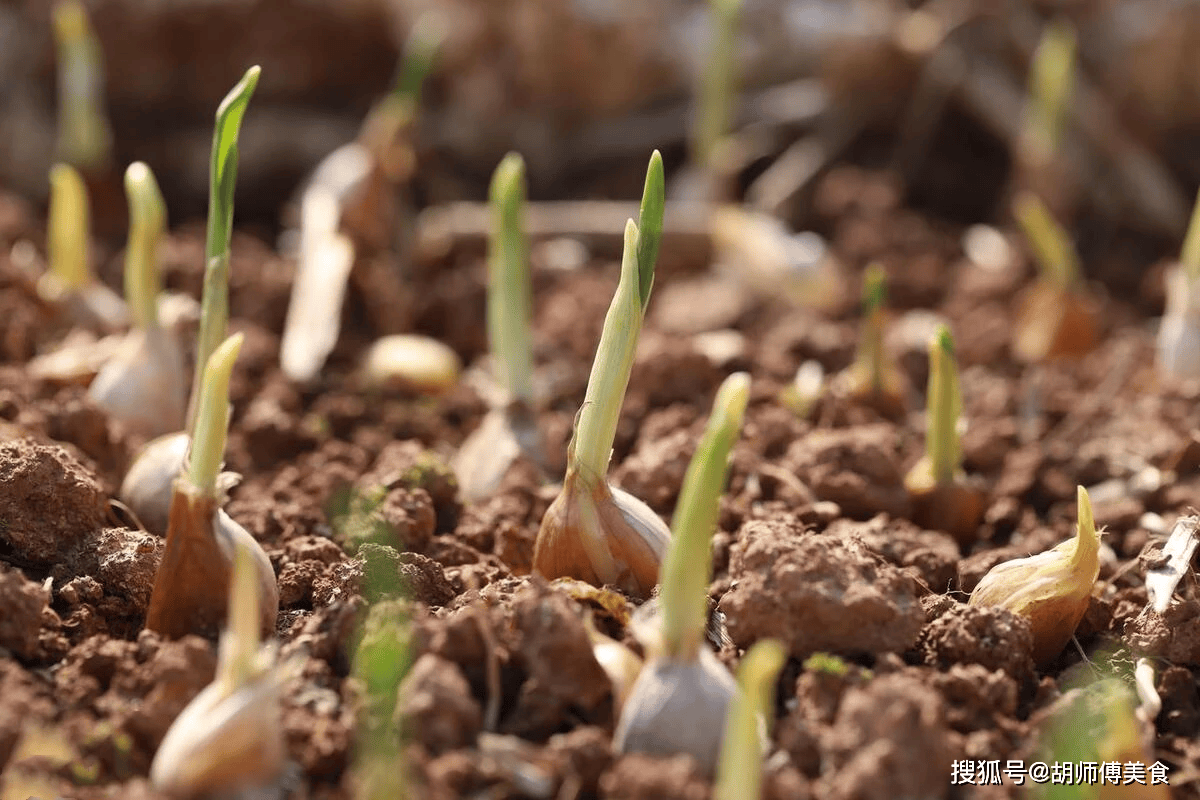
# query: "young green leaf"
x,y
718,83
1190,256
944,401
1051,81
420,49
1052,247
650,225
509,293
84,137
222,177
870,343
67,234
687,568
212,418
739,772
147,222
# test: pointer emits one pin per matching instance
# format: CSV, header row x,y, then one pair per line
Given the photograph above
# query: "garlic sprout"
x,y
147,487
942,497
189,594
873,378
84,137
230,736
591,531
679,702
144,384
1056,316
739,772
1051,589
1179,332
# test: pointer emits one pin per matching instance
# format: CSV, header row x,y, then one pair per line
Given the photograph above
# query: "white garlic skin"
x,y
678,706
150,481
144,386
1179,332
223,741
230,535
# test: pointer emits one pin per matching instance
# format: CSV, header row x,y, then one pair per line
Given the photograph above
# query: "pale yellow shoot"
x,y
147,223
67,234
212,418
739,772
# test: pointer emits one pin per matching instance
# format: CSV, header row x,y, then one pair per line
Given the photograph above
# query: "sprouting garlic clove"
x,y
149,482
678,706
485,456
144,386
1179,332
223,741
411,363
1051,589
956,508
1052,322
602,535
190,593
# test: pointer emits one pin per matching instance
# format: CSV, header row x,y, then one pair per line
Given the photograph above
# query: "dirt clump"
x,y
929,556
50,503
635,776
889,740
993,637
23,602
816,592
856,468
436,706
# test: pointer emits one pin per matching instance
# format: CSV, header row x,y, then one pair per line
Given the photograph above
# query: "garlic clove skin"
x,y
1178,341
191,585
144,385
619,663
485,456
149,482
1052,589
223,741
678,706
602,535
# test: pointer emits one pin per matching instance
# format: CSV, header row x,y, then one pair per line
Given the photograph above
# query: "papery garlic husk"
x,y
1054,323
678,706
191,586
602,535
619,663
1051,589
150,480
223,740
1179,332
144,386
411,363
956,508
486,454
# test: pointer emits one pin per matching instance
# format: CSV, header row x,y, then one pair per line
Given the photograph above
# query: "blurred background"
x,y
931,91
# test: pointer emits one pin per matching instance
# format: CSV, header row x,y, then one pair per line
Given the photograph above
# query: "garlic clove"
x,y
485,456
223,741
144,385
149,482
411,363
956,508
1052,322
1051,589
190,593
678,706
602,535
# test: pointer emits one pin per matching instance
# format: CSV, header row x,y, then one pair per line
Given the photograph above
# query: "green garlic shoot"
x,y
687,568
1051,81
509,299
147,223
739,772
214,315
84,137
67,239
942,444
1055,254
718,83
1190,255
212,418
871,357
613,363
591,531
420,50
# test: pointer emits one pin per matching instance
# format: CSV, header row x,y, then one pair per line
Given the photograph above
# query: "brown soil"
x,y
350,494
